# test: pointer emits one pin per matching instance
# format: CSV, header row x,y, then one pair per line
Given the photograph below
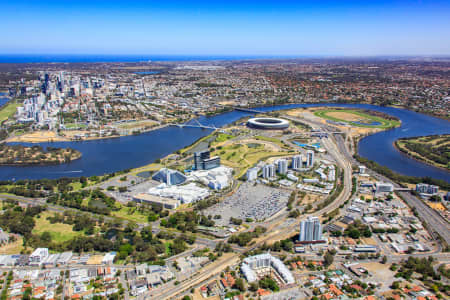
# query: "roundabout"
x,y
267,123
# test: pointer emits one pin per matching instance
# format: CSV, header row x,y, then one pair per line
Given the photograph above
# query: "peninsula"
x,y
36,155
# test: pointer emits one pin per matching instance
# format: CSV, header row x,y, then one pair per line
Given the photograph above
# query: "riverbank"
x,y
48,136
421,144
399,178
112,155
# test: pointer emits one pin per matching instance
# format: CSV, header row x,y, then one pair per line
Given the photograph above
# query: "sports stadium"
x,y
267,123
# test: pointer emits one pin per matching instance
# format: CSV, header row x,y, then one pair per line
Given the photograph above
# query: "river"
x,y
109,155
3,99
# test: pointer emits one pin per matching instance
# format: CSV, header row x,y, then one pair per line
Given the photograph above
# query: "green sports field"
x,y
8,110
356,118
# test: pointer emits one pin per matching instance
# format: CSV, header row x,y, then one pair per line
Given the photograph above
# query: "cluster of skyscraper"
x,y
55,92
281,166
38,109
297,161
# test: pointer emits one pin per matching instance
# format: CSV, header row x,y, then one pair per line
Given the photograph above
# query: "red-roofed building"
x,y
230,279
204,291
335,290
356,287
263,292
327,296
416,289
223,282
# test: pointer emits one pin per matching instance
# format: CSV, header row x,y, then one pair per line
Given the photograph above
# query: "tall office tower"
x,y
310,230
61,81
203,161
309,158
296,162
282,166
198,159
268,171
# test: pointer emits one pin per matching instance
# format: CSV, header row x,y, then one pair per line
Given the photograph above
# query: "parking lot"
x,y
257,202
134,184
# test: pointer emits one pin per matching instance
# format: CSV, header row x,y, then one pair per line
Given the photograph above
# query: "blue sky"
x,y
291,28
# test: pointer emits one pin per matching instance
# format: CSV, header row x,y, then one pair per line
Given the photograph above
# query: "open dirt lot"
x,y
38,137
380,273
12,248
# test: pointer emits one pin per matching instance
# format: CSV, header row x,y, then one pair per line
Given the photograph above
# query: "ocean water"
x,y
77,58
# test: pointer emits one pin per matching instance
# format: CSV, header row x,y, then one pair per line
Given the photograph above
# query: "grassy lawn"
x,y
19,132
356,115
150,167
75,125
60,232
137,124
76,186
7,194
130,214
167,244
270,139
8,110
241,156
196,143
222,137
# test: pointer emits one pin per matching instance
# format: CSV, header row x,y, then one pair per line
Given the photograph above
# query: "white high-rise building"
x,y
252,174
282,166
310,230
362,170
296,162
268,171
309,158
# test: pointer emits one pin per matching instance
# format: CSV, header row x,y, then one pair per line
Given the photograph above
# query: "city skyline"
x,y
244,28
